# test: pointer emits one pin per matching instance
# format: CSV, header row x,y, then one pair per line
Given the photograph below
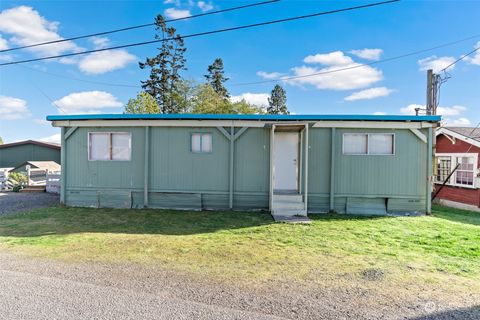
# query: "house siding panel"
x,y
13,156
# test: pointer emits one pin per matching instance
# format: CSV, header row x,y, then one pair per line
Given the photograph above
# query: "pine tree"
x,y
216,77
277,102
164,80
143,103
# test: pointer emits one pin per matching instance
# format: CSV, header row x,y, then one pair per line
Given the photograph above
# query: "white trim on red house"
x,y
452,134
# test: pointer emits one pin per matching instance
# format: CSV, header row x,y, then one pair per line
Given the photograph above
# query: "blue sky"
x,y
294,48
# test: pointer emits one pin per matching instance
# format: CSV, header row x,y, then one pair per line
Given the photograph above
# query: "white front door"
x,y
286,161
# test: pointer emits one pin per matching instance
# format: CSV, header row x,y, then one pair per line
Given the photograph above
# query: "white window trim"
x,y
108,132
453,164
368,144
201,138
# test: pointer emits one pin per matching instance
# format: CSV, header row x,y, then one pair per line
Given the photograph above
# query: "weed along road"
x,y
28,296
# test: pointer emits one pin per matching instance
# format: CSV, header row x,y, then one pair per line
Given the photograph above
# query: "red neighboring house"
x,y
458,146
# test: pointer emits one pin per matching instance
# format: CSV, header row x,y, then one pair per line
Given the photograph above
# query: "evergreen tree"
x,y
277,102
216,77
1,140
143,103
164,80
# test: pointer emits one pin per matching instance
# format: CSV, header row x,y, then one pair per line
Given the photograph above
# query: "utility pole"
x,y
432,92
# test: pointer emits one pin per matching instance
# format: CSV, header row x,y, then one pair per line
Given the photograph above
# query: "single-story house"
x,y
458,150
288,164
14,154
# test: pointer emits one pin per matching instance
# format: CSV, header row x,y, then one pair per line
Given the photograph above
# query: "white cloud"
x,y
368,94
26,26
460,122
368,54
6,57
269,75
356,78
475,59
100,42
340,72
443,111
435,63
205,6
257,99
41,121
329,59
173,13
13,108
55,138
87,102
3,43
105,61
379,113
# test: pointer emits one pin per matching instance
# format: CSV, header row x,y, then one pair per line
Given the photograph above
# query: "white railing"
x,y
53,182
4,185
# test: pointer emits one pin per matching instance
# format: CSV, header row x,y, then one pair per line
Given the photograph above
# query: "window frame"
x,y
453,163
110,140
201,139
368,134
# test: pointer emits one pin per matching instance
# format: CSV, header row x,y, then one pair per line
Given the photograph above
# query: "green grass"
x,y
250,247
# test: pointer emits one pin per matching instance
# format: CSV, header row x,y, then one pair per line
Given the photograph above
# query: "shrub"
x,y
18,180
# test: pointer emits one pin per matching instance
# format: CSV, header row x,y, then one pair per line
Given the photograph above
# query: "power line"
x,y
272,80
81,80
461,58
204,33
140,26
361,65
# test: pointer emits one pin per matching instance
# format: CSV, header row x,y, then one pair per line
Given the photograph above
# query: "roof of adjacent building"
x,y
469,132
38,143
43,165
258,117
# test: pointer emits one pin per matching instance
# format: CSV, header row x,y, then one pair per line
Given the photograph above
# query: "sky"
x,y
255,59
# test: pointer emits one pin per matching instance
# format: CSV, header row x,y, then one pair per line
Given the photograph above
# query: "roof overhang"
x,y
215,120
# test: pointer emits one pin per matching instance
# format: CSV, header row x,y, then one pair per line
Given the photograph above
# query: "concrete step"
x,y
289,212
287,197
287,205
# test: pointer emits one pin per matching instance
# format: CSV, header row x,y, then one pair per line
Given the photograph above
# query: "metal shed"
x,y
288,164
16,153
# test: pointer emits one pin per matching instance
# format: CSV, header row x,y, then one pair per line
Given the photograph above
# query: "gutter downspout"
x,y
272,142
307,146
232,140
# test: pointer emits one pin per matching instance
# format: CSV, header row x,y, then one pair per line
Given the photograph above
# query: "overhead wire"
x,y
203,33
139,26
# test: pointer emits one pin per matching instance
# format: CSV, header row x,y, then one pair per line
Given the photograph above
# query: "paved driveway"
x,y
12,202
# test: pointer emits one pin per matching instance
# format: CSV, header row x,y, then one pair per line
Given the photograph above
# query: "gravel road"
x,y
12,202
33,288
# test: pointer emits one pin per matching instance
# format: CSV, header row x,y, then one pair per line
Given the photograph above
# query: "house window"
x,y
465,173
201,142
444,167
368,143
109,146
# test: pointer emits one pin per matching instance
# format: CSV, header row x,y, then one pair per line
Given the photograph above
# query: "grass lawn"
x,y
249,247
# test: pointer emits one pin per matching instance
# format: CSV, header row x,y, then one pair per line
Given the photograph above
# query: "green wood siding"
x,y
16,155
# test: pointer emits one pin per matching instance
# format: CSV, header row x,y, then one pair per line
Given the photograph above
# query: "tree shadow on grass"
x,y
64,220
457,215
460,314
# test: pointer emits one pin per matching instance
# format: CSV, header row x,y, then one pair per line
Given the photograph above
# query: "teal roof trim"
x,y
258,117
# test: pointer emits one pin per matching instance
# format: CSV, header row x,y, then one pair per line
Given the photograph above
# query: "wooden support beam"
x,y
63,177
232,162
429,171
332,170
307,146
419,134
146,168
70,132
224,132
272,144
240,132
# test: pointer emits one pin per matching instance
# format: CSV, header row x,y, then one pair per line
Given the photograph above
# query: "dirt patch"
x,y
373,274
